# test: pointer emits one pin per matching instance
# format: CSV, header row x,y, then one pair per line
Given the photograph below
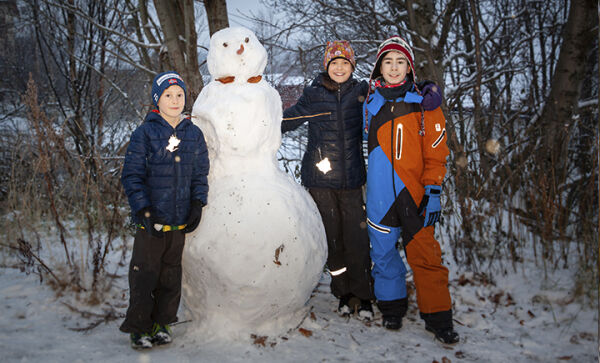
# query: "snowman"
x,y
259,250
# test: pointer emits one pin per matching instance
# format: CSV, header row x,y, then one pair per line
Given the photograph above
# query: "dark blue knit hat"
x,y
163,81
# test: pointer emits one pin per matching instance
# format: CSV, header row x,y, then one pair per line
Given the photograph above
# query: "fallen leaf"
x,y
531,315
446,360
307,333
259,339
565,357
278,250
313,317
496,298
462,280
509,300
460,354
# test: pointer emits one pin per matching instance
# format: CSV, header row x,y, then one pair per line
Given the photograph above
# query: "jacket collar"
x,y
154,116
323,80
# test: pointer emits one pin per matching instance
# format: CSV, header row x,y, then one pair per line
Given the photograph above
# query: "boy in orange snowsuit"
x,y
407,157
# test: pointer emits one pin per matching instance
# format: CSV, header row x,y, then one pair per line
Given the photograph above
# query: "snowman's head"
x,y
236,52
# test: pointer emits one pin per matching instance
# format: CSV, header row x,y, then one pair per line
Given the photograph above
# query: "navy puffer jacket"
x,y
334,116
164,180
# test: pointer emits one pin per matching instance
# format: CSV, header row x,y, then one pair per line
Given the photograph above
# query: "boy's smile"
x,y
394,67
339,70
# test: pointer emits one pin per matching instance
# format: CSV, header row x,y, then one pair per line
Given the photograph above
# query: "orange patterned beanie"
x,y
339,49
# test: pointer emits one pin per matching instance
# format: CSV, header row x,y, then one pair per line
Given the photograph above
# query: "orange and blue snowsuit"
x,y
407,151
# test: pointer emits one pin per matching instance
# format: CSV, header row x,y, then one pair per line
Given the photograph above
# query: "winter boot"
x,y
440,324
444,335
365,310
161,334
344,305
140,340
392,322
393,311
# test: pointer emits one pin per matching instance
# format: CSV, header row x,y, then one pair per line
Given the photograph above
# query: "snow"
x,y
540,322
261,233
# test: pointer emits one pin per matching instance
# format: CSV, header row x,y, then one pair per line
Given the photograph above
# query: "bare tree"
x,y
216,12
502,65
177,20
91,64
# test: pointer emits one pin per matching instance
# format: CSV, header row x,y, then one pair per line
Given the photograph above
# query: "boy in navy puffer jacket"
x,y
333,170
165,179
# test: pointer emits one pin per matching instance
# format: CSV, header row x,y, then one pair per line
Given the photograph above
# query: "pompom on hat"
x,y
163,81
397,44
339,49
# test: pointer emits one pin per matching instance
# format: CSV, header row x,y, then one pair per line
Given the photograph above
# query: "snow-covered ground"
x,y
521,317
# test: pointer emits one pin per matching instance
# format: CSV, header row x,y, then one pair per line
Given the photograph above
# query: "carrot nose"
x,y
241,50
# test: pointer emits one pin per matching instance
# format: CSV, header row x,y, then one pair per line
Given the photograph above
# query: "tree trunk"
x,y
216,12
557,124
561,104
178,25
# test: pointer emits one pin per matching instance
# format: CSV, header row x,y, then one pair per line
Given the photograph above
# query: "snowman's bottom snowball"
x,y
255,259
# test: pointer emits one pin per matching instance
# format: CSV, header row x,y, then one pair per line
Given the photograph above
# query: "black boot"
x,y
140,340
392,322
440,324
344,305
444,335
365,310
393,311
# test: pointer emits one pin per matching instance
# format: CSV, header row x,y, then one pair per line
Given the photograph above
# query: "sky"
x,y
235,7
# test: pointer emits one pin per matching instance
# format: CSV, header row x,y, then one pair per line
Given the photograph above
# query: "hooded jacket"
x,y
165,177
334,118
407,148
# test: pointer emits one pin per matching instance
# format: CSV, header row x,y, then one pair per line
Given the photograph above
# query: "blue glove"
x,y
432,95
430,204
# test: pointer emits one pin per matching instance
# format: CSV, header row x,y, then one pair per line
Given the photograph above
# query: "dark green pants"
x,y
154,281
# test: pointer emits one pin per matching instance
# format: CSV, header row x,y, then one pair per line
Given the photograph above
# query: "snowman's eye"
x,y
247,39
225,45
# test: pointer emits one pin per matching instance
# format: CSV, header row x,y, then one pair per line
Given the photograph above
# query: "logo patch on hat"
x,y
172,81
167,76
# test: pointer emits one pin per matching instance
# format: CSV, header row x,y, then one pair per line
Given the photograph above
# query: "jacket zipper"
x,y
176,165
343,134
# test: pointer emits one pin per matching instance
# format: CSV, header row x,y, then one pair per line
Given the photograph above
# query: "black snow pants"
x,y
154,281
349,262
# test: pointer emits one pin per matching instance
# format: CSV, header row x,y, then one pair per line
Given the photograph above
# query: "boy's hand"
x,y
195,216
430,204
148,222
432,95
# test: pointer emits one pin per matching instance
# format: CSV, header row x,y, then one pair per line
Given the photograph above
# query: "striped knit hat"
x,y
163,81
394,44
339,49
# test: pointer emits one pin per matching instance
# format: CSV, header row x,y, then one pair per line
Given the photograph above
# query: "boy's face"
x,y
394,67
171,103
339,70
